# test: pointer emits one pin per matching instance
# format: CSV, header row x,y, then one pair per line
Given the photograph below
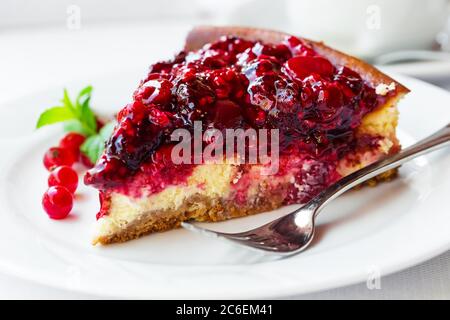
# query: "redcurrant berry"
x,y
64,176
57,202
72,141
57,156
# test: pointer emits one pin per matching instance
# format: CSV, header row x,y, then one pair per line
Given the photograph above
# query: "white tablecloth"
x,y
32,60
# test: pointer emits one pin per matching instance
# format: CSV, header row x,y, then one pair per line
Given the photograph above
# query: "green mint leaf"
x,y
78,115
54,115
93,147
76,126
67,102
107,130
88,116
85,94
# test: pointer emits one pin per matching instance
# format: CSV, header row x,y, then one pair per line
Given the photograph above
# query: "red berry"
x,y
302,67
64,176
72,141
154,91
57,156
299,47
260,118
57,202
158,117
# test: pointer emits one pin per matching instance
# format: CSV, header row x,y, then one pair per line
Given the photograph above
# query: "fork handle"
x,y
434,142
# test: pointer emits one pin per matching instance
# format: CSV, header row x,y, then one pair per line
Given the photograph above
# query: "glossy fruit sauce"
x,y
235,83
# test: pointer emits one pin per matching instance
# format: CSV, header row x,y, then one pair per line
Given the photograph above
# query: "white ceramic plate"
x,y
362,234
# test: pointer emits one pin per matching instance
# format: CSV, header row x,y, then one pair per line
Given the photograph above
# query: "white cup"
x,y
267,14
369,27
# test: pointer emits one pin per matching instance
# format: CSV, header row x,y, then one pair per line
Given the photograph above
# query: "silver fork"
x,y
294,232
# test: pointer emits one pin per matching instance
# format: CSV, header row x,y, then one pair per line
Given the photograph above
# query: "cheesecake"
x,y
298,116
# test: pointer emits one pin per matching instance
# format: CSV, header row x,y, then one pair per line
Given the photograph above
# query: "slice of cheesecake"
x,y
330,114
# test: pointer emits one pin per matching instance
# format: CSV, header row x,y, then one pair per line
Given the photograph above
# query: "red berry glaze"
x,y
57,202
235,83
64,176
57,156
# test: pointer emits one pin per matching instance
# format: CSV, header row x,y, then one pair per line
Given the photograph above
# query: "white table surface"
x,y
34,59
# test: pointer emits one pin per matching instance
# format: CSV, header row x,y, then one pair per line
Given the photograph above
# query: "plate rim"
x,y
294,290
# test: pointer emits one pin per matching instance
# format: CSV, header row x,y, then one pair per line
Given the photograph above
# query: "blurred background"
x,y
50,42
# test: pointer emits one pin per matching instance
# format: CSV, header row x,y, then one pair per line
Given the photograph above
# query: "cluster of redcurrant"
x,y
63,179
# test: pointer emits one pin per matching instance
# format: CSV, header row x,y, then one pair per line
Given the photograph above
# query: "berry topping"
x,y
236,83
64,176
57,202
57,156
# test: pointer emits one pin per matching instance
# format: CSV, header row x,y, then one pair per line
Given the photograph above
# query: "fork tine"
x,y
248,239
237,236
242,240
268,242
269,246
200,230
258,239
256,245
